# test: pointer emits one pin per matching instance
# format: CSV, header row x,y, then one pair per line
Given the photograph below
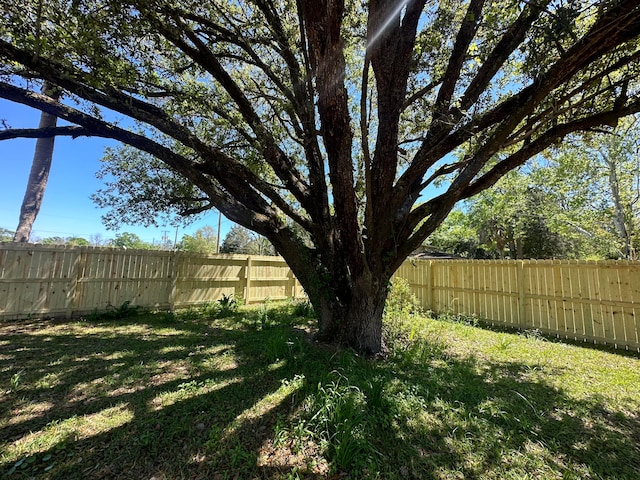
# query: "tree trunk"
x,y
619,219
354,318
40,167
519,249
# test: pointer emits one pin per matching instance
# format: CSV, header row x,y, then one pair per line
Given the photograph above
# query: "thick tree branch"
x,y
391,35
302,102
508,43
304,91
530,126
543,141
421,222
219,164
273,154
67,131
458,56
245,205
604,36
109,97
323,22
364,140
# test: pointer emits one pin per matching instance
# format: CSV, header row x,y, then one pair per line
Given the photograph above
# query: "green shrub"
x,y
113,313
227,306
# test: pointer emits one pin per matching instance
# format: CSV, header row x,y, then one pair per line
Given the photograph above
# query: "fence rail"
x,y
591,301
595,301
48,280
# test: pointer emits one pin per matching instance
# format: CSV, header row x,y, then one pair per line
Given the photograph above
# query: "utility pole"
x,y
218,235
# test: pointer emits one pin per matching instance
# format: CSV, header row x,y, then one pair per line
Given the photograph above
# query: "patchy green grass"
x,y
249,395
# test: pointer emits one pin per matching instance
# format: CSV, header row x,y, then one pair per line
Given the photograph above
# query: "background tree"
x,y
581,200
237,240
524,216
40,168
261,246
516,219
204,240
56,240
596,181
71,241
6,235
330,117
97,240
458,236
130,240
77,242
243,240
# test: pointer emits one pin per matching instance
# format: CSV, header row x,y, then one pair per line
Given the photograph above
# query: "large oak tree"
x,y
321,124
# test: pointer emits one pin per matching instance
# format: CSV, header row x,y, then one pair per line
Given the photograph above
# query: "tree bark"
x,y
39,174
355,320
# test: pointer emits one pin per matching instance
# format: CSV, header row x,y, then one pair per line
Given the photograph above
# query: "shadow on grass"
x,y
470,419
149,398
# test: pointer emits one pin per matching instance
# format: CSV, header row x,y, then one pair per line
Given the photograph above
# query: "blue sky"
x,y
67,209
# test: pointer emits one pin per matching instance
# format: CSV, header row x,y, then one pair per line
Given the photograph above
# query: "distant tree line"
x,y
7,235
204,240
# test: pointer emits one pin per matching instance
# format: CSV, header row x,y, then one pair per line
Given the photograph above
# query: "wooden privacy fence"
x,y
43,280
583,300
591,301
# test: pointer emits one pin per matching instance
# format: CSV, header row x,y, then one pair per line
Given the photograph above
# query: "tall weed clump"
x,y
342,420
400,312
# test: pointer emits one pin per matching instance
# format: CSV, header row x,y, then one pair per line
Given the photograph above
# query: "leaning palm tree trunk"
x,y
39,174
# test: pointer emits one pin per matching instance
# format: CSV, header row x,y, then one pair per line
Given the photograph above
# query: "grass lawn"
x,y
189,396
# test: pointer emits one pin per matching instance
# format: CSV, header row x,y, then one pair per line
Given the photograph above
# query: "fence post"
x,y
291,285
173,285
77,285
522,313
247,279
73,284
429,285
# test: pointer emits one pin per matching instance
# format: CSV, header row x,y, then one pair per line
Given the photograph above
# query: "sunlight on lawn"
x,y
266,404
189,390
73,429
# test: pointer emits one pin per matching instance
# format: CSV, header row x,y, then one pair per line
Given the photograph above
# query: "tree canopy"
x,y
323,125
6,235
